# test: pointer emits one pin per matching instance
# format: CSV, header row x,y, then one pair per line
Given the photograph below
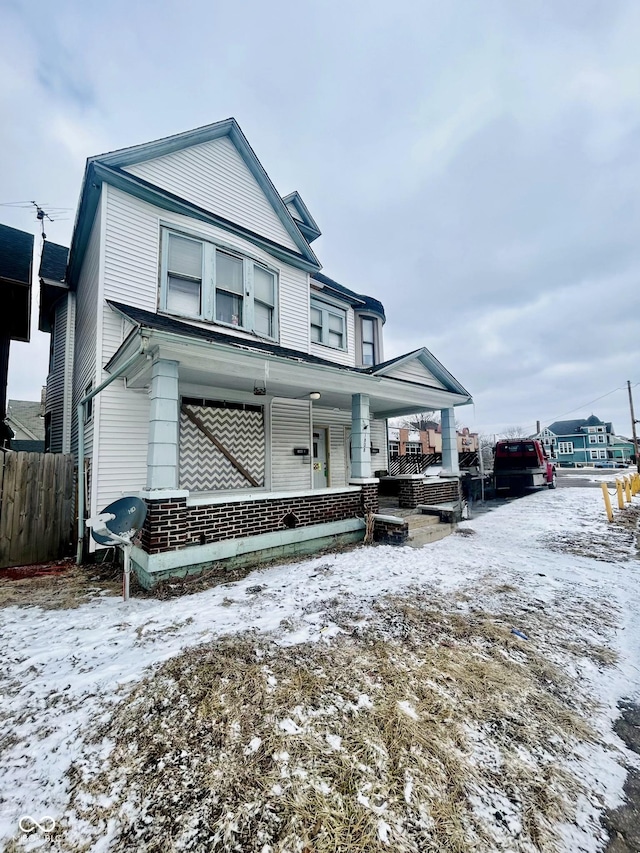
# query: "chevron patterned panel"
x,y
203,467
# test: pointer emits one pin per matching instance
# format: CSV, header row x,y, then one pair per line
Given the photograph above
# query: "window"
x,y
598,454
394,448
413,448
204,281
602,439
565,447
88,406
368,342
593,439
328,325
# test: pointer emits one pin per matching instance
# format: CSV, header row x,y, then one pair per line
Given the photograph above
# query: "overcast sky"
x,y
474,164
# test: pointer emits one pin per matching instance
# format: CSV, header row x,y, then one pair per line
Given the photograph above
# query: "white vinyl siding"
x,y
415,371
379,461
290,427
339,426
214,176
345,356
132,255
124,437
86,330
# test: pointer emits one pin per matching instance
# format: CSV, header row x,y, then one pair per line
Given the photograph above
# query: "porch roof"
x,y
211,359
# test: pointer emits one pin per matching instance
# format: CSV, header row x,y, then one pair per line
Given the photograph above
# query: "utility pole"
x,y
633,426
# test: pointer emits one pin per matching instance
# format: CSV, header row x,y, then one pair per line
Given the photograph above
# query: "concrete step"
x,y
432,533
417,522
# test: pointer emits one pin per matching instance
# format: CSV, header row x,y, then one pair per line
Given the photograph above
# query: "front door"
x,y
320,476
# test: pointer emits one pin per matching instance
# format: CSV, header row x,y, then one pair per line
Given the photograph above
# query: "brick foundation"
x,y
420,490
171,524
390,532
370,499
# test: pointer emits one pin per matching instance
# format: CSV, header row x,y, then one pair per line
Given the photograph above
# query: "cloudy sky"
x,y
473,164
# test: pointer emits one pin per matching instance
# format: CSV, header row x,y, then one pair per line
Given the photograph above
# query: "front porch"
x,y
256,453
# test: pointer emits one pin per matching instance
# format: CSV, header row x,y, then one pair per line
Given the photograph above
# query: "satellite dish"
x,y
118,524
127,517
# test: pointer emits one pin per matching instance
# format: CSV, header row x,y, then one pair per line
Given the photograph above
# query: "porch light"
x,y
315,395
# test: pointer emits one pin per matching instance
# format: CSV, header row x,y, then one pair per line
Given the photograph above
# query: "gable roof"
x,y
110,168
358,300
575,426
430,363
303,219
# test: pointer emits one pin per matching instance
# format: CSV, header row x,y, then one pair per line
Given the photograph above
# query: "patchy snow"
x,y
64,669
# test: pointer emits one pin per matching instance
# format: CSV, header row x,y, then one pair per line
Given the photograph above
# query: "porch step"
x,y
418,522
432,533
424,529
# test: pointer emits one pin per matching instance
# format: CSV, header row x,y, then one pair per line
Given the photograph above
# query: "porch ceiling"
x,y
217,366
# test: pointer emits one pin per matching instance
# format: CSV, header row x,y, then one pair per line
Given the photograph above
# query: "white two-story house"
x,y
202,361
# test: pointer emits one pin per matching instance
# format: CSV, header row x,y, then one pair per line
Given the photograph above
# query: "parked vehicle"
x,y
610,463
521,464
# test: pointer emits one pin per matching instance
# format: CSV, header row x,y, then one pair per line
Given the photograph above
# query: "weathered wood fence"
x,y
37,502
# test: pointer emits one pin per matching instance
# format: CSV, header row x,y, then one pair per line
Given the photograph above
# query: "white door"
x,y
320,477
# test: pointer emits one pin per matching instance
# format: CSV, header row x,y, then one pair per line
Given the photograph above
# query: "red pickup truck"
x,y
520,464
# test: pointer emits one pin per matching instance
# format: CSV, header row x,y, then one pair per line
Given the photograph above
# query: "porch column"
x,y
360,438
162,456
449,442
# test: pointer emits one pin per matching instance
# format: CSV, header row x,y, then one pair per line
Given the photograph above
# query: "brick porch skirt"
x,y
172,525
422,490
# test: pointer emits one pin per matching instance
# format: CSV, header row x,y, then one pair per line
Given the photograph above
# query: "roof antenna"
x,y
41,215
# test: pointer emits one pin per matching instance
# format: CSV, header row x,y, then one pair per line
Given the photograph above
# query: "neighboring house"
x,y
217,372
26,420
16,252
582,441
410,442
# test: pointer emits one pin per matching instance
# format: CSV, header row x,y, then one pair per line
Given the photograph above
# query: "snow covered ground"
x,y
64,670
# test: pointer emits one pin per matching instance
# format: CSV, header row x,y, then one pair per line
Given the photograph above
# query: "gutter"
x,y
81,411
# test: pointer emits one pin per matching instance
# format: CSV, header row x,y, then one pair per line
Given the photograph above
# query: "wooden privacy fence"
x,y
37,497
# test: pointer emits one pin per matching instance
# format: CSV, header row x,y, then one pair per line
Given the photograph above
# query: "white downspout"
x,y
81,409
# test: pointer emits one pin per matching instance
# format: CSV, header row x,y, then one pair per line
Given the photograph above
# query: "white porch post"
x,y
162,457
360,438
449,442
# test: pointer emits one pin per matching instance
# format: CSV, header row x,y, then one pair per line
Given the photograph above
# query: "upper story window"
x,y
328,325
203,281
368,342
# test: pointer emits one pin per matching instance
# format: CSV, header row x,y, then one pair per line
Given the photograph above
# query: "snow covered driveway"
x,y
64,671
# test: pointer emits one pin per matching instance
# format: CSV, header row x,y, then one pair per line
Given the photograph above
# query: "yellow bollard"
x,y
607,501
627,487
619,491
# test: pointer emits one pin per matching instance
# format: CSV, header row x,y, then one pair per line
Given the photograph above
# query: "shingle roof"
x,y
16,251
53,264
574,426
365,301
26,414
167,324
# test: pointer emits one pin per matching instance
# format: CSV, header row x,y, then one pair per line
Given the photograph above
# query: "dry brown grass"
x,y
416,730
68,589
